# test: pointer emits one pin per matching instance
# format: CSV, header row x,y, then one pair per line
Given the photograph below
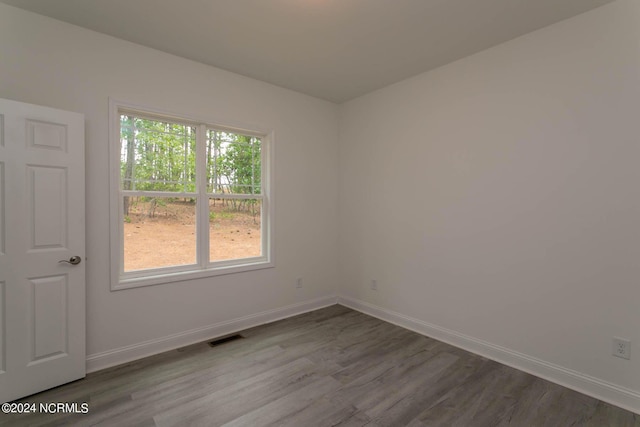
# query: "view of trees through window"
x,y
162,192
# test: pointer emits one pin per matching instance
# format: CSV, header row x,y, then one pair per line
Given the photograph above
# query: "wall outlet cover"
x,y
621,348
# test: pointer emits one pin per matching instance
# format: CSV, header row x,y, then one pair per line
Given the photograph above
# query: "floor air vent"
x,y
223,340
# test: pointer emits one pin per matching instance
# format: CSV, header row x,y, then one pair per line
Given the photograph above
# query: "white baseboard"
x,y
118,356
602,390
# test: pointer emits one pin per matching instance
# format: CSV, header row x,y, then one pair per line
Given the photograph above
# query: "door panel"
x,y
48,136
3,299
46,193
2,203
3,333
48,318
42,300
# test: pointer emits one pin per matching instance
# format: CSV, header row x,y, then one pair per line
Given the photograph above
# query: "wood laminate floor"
x,y
330,367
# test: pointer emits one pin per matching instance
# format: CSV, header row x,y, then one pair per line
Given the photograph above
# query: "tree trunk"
x,y
128,172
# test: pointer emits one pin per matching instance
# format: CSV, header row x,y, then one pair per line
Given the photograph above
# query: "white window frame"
x,y
203,267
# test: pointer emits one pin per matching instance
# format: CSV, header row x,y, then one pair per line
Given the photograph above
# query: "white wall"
x,y
46,62
497,198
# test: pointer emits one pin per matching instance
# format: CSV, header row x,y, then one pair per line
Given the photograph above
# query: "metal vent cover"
x,y
224,340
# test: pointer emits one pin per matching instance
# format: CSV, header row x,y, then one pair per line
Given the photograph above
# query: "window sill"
x,y
171,277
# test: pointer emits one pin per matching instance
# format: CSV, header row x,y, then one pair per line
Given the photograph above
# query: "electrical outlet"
x,y
299,282
374,285
621,348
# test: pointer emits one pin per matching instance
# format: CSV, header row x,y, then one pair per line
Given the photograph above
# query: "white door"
x,y
42,300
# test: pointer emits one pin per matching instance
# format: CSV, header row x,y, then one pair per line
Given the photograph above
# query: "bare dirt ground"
x,y
165,235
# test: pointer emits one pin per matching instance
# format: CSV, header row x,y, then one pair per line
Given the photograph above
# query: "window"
x,y
189,199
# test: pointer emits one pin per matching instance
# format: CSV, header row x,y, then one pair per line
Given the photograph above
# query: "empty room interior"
x,y
320,212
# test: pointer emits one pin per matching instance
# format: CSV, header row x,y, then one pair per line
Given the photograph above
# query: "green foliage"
x,y
157,156
161,156
233,163
213,216
241,166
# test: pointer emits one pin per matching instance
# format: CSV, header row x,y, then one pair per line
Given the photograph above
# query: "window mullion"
x,y
202,205
156,162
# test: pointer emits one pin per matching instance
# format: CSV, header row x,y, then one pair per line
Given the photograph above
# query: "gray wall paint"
x,y
51,63
499,197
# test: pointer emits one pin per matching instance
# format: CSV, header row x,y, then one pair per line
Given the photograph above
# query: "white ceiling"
x,y
331,49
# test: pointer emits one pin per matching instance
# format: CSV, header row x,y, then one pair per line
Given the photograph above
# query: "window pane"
x,y
234,229
233,163
157,155
159,232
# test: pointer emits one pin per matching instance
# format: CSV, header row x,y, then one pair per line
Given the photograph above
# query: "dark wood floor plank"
x,y
610,416
405,407
329,367
324,412
231,400
484,399
281,411
201,388
378,389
